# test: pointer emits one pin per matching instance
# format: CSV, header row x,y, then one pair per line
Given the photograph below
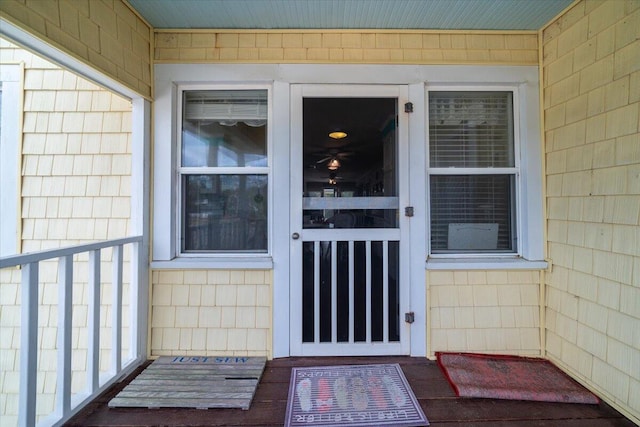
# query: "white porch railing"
x,y
65,405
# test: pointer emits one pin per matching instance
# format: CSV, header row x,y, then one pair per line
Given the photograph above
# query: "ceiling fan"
x,y
333,158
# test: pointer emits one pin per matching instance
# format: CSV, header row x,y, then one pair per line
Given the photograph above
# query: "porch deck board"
x,y
431,388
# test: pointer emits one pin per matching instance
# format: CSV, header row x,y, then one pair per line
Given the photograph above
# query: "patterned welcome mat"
x,y
511,377
194,382
352,395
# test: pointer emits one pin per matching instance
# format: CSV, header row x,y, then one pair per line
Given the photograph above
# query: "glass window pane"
x,y
473,213
360,169
350,218
224,213
224,128
471,129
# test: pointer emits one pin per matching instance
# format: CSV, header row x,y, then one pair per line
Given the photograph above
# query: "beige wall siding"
x,y
211,312
484,311
76,157
105,34
591,70
382,47
10,345
76,173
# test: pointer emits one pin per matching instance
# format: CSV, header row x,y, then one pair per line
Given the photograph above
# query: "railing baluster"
x,y
28,345
65,313
116,311
134,288
93,325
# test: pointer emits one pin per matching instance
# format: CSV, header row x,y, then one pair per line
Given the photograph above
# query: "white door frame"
x,y
298,92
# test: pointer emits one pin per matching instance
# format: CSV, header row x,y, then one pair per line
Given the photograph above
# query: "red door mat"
x,y
511,377
352,395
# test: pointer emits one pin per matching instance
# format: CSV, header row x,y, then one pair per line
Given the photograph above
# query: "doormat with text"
x,y
352,395
194,382
511,377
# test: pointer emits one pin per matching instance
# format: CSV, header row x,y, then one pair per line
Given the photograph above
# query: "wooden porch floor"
x,y
434,393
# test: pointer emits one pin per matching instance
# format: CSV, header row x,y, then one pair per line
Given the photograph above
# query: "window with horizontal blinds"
x,y
484,200
226,105
472,210
224,128
471,129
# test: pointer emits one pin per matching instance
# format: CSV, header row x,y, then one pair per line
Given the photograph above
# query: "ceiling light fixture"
x,y
333,164
337,134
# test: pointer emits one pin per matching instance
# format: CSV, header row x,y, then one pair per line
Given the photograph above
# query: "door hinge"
x,y
408,107
408,211
410,317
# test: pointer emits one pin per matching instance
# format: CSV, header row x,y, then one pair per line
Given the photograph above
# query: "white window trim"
x,y
11,83
468,171
167,252
529,254
485,263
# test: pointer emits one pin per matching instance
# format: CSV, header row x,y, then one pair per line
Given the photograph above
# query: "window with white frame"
x,y
224,172
473,172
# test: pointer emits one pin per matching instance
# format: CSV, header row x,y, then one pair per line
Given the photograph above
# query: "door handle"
x,y
295,236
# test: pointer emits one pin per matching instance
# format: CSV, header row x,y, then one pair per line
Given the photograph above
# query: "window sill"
x,y
484,264
215,263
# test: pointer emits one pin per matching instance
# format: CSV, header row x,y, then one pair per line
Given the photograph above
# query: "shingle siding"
x,y
409,47
591,56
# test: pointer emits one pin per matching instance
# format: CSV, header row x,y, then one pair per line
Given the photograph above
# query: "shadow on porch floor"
x,y
432,390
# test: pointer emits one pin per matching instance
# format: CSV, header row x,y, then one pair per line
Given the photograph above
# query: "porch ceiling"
x,y
356,14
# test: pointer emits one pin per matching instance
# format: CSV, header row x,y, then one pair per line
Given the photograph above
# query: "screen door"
x,y
348,183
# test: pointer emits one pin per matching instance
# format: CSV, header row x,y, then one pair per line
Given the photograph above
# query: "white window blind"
x,y
227,106
472,199
471,129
